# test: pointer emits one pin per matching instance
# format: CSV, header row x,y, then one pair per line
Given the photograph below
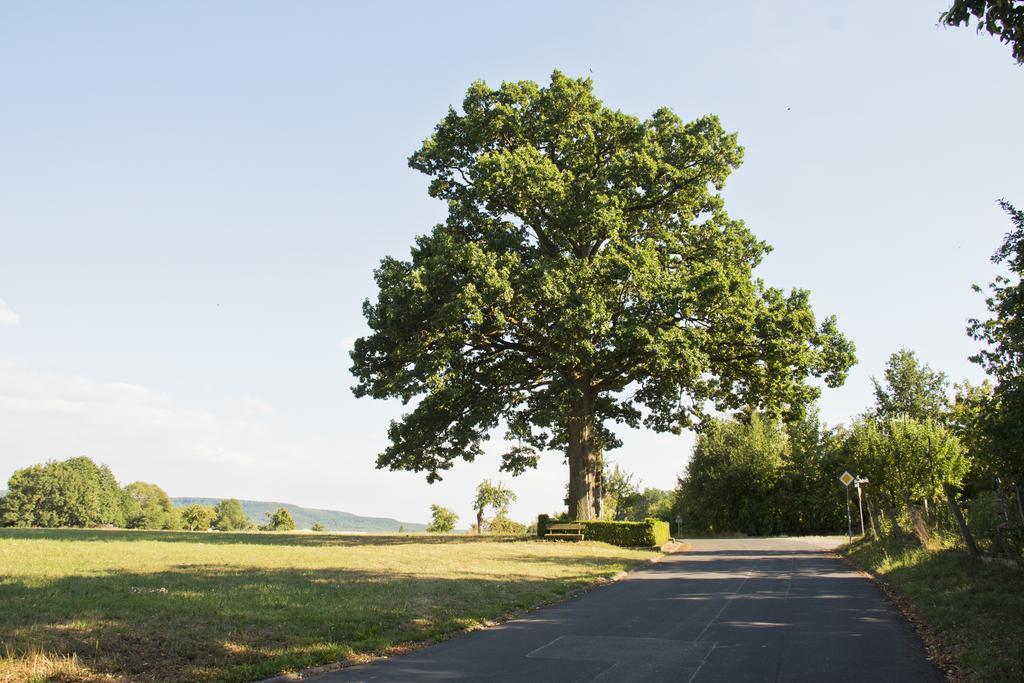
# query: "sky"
x,y
193,197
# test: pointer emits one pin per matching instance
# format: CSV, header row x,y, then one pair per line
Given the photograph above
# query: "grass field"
x,y
972,611
162,606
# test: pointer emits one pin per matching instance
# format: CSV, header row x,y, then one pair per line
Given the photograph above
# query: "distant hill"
x,y
333,520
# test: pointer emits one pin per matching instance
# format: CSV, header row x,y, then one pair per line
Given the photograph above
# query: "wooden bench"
x,y
564,531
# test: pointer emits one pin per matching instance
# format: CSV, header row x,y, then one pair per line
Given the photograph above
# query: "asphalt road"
x,y
725,610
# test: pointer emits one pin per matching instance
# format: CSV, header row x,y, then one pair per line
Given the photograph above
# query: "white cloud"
x,y
7,316
139,432
253,404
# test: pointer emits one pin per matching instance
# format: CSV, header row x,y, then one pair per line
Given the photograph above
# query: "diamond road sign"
x,y
846,478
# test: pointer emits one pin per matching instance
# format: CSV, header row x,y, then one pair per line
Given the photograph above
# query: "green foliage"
x,y
586,251
993,530
197,517
620,493
1003,356
906,455
733,475
229,516
501,524
1003,18
654,503
306,517
442,520
760,476
279,520
74,492
148,507
911,389
648,533
494,496
320,527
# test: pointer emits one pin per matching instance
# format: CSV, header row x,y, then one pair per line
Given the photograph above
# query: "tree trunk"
x,y
1020,506
584,459
876,527
479,522
958,515
917,521
887,509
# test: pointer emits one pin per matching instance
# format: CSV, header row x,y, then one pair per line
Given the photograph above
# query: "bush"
x,y
648,533
991,531
542,525
503,525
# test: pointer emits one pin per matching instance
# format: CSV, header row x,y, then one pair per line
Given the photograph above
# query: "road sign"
x,y
846,478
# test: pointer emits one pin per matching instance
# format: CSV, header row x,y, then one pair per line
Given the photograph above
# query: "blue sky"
x,y
193,197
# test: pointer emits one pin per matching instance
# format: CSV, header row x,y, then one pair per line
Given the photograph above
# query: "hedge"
x,y
648,533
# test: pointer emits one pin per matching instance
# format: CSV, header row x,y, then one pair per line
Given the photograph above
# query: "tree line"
x,y
79,493
939,457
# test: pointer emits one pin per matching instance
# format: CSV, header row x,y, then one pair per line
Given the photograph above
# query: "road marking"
x,y
727,602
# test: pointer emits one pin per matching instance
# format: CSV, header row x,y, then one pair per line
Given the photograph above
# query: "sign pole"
x,y
860,507
849,517
846,479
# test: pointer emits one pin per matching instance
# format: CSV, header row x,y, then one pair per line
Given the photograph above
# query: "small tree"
x,y
650,502
147,506
279,520
489,495
911,389
230,516
619,493
442,520
197,517
318,527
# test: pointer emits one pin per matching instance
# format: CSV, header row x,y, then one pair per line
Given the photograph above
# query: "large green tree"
x,y
587,273
75,492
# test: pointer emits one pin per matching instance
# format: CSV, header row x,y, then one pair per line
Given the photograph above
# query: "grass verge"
x,y
970,613
160,606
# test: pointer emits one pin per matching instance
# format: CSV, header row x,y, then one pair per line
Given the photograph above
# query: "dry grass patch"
x,y
161,606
